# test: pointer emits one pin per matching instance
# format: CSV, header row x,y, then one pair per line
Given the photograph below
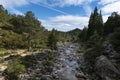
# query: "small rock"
x,y
46,77
80,75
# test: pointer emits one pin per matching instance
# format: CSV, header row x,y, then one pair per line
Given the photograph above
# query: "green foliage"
x,y
95,37
4,16
95,23
12,40
112,23
52,40
73,34
14,68
18,31
94,48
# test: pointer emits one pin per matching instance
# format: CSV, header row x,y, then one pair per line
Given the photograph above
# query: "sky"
x,y
63,15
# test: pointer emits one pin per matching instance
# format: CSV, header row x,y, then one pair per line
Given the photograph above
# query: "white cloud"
x,y
105,17
113,7
87,9
85,4
103,2
65,23
63,3
16,11
12,4
68,22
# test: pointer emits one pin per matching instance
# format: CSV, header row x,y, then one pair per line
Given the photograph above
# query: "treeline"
x,y
96,25
98,31
26,32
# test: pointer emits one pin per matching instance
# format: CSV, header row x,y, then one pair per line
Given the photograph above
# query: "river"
x,y
66,65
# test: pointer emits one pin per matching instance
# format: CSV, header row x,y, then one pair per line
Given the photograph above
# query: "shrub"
x,y
14,69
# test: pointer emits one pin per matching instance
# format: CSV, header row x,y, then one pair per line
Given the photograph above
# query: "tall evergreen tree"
x,y
95,23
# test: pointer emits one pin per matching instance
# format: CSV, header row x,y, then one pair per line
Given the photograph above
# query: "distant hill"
x,y
74,31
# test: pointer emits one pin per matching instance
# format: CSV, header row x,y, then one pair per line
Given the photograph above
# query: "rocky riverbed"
x,y
66,65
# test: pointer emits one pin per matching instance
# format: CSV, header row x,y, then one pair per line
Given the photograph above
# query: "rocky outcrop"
x,y
105,68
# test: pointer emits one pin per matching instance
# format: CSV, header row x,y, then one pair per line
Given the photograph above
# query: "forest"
x,y
28,51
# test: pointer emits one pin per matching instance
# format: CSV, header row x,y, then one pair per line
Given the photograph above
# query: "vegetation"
x,y
15,67
26,32
52,41
74,34
95,23
112,23
92,37
18,31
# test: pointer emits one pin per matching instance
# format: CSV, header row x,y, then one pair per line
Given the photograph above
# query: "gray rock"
x,y
46,77
104,67
80,75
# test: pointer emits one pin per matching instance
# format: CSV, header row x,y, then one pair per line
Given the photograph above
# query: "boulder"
x,y
105,68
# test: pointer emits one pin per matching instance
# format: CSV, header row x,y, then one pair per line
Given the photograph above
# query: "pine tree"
x,y
95,23
52,41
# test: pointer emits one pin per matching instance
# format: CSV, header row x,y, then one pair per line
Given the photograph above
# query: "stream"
x,y
67,63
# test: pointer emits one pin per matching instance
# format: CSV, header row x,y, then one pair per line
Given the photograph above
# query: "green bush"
x,y
14,68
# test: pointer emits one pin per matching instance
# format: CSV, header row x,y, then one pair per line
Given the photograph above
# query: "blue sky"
x,y
63,15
